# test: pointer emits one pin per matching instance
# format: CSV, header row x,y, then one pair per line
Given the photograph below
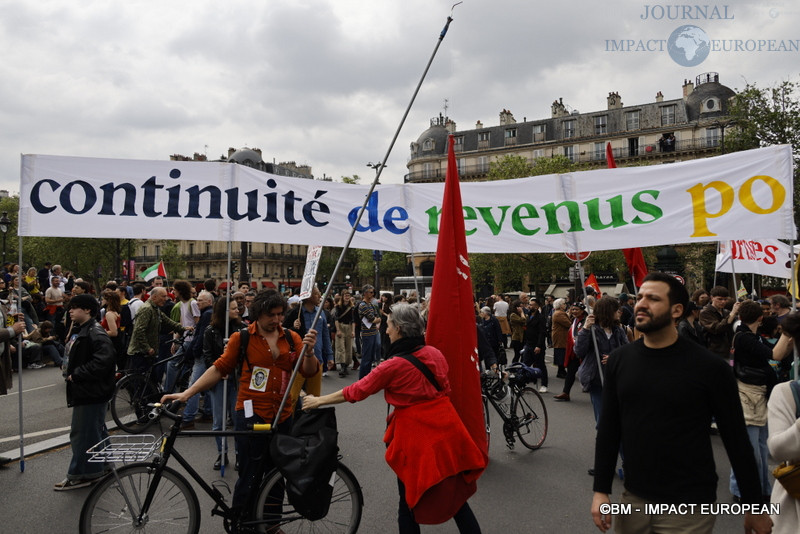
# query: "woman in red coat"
x,y
447,453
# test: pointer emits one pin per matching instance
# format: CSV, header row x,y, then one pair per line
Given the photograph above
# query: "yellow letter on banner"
x,y
699,212
747,200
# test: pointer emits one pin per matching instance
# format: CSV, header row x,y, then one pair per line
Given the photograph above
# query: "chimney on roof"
x,y
659,97
614,100
688,87
478,125
506,118
450,125
558,108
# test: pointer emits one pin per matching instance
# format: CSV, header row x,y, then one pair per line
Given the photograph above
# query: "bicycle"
x,y
150,496
137,389
520,407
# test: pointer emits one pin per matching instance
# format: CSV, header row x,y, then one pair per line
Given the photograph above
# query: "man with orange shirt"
x,y
264,377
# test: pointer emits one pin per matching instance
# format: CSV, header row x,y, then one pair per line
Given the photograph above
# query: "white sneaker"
x,y
325,373
543,389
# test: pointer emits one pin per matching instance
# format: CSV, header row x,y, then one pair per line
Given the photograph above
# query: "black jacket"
x,y
535,330
92,363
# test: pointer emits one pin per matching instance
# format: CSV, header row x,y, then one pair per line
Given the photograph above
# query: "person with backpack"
x,y
428,446
265,355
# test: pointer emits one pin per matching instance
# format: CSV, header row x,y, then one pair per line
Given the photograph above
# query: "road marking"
x,y
11,394
35,434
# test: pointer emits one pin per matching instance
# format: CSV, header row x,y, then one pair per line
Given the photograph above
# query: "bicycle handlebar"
x,y
164,409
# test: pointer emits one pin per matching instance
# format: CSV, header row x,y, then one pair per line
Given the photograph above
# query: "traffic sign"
x,y
577,256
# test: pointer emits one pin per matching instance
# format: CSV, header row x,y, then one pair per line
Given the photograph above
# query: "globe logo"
x,y
688,46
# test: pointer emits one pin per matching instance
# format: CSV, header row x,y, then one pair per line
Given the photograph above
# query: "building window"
x,y
712,137
249,248
538,133
633,146
158,250
208,248
483,139
667,115
569,129
632,120
191,249
483,164
601,125
191,270
458,144
599,151
511,136
538,153
461,164
569,151
144,250
428,144
428,171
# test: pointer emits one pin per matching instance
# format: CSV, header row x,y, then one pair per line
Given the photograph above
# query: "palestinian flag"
x,y
156,270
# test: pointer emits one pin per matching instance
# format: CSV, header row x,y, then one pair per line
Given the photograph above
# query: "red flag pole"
x,y
452,309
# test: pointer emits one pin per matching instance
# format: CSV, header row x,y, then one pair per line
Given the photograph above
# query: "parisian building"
x,y
662,131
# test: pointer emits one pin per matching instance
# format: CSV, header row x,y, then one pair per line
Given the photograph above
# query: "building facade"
x,y
663,131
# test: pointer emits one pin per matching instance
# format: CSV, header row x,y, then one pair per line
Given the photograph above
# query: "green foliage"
x,y
764,117
351,179
174,261
393,264
558,164
509,167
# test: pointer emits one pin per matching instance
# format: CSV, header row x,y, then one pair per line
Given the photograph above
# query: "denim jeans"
x,y
758,439
88,429
216,394
193,403
370,349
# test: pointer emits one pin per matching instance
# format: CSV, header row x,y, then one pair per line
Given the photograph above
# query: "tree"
x,y
509,167
764,117
558,164
351,179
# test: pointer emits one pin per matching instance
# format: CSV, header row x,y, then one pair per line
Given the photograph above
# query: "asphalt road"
x,y
547,490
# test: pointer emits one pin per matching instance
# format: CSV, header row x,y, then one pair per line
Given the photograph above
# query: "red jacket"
x,y
427,442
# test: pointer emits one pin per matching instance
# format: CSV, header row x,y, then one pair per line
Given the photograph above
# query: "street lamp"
x,y
5,222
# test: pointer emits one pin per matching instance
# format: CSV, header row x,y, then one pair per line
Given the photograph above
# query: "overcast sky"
x,y
325,83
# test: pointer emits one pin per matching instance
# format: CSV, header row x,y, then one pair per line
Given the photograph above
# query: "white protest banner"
x,y
310,272
768,257
743,195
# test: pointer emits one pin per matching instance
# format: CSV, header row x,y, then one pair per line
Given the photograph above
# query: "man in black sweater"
x,y
659,396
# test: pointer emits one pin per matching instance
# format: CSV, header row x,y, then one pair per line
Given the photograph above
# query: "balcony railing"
x,y
589,156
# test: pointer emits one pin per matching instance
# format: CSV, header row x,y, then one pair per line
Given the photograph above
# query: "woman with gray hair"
x,y
427,443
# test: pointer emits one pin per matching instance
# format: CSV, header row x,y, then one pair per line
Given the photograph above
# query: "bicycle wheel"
x,y
344,514
530,416
114,504
486,420
129,404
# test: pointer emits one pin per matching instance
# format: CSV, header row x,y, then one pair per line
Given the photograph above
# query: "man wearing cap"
x,y
90,384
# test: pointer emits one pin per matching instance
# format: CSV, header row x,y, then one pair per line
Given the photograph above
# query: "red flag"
x,y
636,265
591,281
610,157
633,256
451,314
